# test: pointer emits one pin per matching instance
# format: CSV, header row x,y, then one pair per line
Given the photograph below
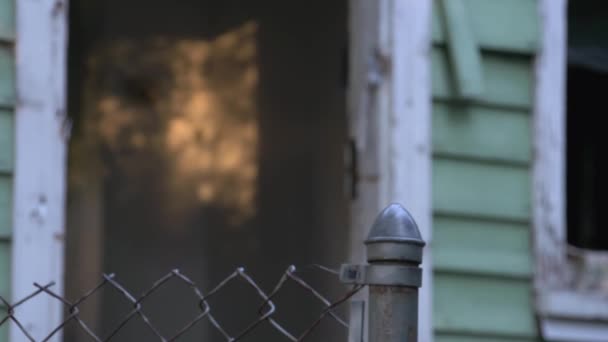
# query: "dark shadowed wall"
x,y
207,135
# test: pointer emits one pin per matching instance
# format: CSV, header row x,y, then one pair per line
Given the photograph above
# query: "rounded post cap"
x,y
395,237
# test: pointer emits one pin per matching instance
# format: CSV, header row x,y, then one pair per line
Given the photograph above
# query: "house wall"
x,y
481,170
7,100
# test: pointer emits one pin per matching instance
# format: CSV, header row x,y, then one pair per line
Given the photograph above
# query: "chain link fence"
x,y
394,253
267,311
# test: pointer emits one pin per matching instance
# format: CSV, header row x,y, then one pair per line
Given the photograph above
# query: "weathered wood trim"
x,y
563,330
410,132
572,305
567,310
40,164
549,233
390,116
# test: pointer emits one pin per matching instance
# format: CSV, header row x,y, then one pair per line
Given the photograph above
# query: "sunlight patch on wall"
x,y
186,108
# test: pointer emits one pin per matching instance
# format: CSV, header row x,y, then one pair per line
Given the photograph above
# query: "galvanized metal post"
x,y
394,253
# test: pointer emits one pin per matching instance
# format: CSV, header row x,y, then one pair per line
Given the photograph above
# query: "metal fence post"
x,y
394,253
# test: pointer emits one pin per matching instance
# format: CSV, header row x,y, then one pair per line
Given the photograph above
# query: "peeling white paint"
x,y
40,163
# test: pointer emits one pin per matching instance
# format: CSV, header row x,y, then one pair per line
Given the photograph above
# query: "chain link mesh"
x,y
265,313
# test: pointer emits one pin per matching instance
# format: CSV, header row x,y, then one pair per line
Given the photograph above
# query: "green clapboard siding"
x,y
7,19
481,247
483,305
481,132
507,79
4,268
492,22
472,338
3,329
7,100
476,189
5,207
4,284
7,76
481,175
6,141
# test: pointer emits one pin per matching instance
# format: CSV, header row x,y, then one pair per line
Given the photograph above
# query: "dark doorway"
x,y
207,135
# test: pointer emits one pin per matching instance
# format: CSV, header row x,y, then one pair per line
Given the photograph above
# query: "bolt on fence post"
x,y
394,253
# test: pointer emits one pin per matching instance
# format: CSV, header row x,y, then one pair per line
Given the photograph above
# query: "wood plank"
x,y
5,262
463,49
391,123
7,19
7,141
465,188
549,132
559,329
482,247
499,25
478,132
409,131
40,161
7,76
442,337
6,196
3,329
507,79
483,305
4,286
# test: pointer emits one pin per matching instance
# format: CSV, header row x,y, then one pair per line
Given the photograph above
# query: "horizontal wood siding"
x,y
507,79
483,305
479,189
7,147
461,131
482,153
461,243
4,283
7,20
7,75
6,197
7,140
469,338
499,25
4,268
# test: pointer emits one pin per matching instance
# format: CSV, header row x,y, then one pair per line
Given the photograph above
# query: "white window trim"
x,y
393,132
566,310
40,163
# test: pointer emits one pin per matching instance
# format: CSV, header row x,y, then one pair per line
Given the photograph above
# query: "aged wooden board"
x,y
507,79
482,247
483,305
7,141
481,132
7,19
478,338
509,26
7,76
6,195
465,188
5,257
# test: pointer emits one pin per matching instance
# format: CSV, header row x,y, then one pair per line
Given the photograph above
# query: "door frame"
x,y
41,134
389,113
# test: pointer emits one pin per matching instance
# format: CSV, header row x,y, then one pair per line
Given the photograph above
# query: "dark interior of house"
x,y
587,162
207,135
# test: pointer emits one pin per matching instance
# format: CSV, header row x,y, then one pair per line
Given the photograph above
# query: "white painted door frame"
x,y
389,104
40,163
